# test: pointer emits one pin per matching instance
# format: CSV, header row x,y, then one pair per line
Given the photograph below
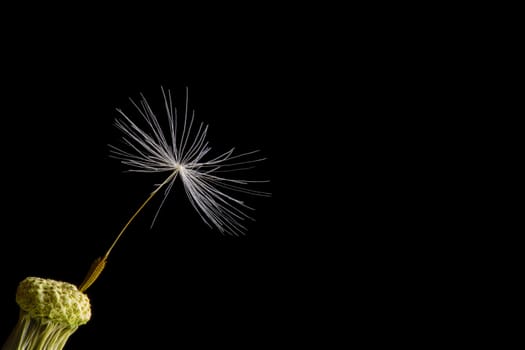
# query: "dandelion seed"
x,y
183,152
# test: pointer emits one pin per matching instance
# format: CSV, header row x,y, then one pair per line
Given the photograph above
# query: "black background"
x,y
344,103
255,81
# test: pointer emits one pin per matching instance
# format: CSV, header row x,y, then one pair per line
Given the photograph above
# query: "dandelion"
x,y
182,152
51,311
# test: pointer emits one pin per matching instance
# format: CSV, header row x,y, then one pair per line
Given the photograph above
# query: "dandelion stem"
x,y
137,212
99,263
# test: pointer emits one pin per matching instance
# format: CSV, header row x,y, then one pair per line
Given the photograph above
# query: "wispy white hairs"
x,y
183,151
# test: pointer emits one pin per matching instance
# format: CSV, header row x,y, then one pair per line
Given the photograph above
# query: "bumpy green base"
x,y
50,311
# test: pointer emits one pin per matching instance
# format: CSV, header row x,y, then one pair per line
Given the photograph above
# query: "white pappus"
x,y
183,151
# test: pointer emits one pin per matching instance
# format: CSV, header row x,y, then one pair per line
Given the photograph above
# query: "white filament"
x,y
183,152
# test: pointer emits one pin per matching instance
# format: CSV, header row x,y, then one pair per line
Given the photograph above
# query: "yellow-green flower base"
x,y
50,311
